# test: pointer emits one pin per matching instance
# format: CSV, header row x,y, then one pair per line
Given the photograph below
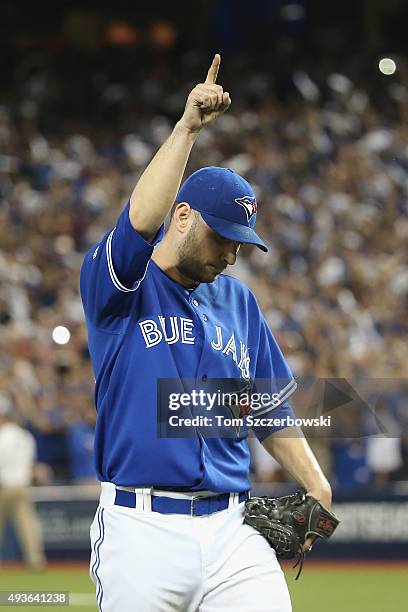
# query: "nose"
x,y
230,253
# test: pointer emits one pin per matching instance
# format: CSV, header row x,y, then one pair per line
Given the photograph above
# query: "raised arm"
x,y
156,190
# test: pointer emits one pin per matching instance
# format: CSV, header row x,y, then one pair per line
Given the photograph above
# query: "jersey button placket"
x,y
204,317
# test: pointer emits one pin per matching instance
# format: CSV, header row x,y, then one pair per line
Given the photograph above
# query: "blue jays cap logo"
x,y
248,203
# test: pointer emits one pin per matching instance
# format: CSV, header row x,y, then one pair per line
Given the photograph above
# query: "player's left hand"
x,y
308,545
288,523
324,497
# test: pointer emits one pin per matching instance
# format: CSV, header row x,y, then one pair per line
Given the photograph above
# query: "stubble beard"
x,y
188,263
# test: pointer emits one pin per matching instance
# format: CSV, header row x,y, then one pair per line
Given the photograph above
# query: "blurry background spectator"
x,y
17,457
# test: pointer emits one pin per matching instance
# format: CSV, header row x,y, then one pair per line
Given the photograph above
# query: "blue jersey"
x,y
144,326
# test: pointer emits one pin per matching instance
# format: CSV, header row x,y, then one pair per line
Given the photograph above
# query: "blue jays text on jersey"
x,y
143,326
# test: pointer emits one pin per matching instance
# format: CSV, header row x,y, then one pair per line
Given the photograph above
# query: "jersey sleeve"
x,y
113,270
274,384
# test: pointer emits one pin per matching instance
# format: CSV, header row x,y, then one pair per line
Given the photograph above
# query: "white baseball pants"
x,y
144,561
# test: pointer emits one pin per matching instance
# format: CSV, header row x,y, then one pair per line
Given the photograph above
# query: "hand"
x,y
206,102
308,545
324,497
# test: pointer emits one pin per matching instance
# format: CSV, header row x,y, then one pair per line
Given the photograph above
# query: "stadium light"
x,y
61,335
387,66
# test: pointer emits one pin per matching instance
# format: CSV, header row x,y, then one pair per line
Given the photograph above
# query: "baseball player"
x,y
168,534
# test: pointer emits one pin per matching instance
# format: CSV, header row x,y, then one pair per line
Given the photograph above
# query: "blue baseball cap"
x,y
226,202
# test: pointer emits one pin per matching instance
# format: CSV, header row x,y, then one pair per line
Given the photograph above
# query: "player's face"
x,y
203,254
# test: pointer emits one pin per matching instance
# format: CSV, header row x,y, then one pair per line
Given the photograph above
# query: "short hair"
x,y
173,210
170,216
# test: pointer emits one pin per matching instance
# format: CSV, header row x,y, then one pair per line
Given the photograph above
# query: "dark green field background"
x,y
321,588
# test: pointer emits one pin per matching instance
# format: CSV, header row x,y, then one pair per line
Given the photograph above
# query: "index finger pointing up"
x,y
213,70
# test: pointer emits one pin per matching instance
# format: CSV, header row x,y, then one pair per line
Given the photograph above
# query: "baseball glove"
x,y
286,522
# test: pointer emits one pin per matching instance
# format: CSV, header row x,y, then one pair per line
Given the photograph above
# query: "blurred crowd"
x,y
329,165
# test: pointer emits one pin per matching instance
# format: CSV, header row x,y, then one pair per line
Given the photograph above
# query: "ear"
x,y
183,216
